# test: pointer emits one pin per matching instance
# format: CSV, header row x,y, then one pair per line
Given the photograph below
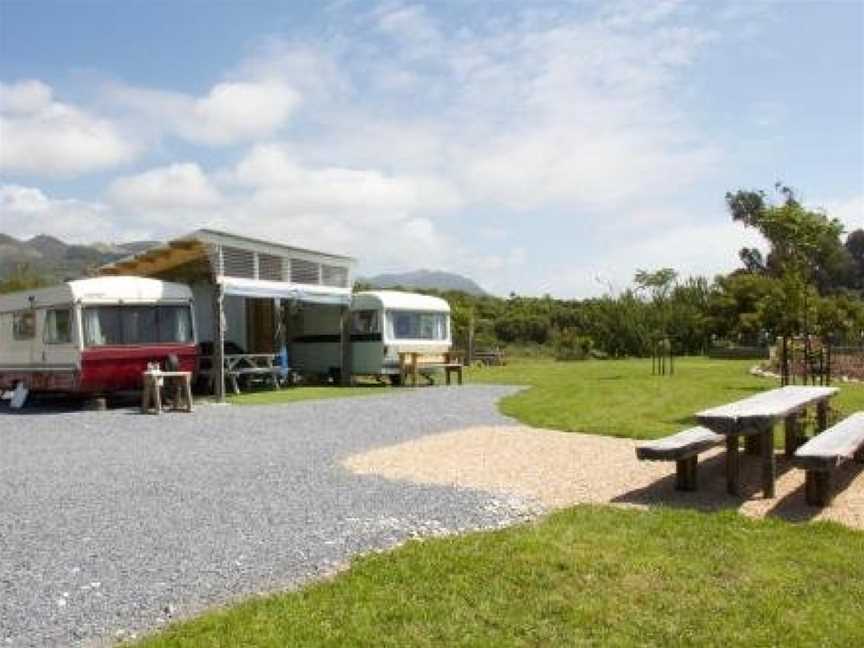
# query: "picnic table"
x,y
151,395
242,365
754,418
413,364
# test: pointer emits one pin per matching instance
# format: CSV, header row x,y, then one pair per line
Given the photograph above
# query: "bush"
x,y
569,345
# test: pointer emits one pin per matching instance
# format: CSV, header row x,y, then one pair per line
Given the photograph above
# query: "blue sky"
x,y
537,147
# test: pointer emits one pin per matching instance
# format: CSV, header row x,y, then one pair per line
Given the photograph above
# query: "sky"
x,y
537,147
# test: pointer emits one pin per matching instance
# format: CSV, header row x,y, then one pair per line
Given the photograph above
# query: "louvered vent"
x,y
305,272
335,276
269,267
238,263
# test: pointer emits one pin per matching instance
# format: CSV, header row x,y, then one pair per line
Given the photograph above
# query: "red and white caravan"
x,y
94,336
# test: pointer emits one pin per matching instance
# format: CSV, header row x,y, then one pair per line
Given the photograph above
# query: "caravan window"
x,y
405,325
364,321
58,326
24,325
111,325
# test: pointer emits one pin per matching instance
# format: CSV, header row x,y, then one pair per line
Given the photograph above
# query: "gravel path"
x,y
114,522
563,468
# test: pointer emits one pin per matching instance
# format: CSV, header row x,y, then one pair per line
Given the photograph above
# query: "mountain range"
x,y
425,280
58,261
52,258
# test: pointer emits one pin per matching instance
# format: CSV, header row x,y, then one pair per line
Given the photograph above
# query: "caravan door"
x,y
59,344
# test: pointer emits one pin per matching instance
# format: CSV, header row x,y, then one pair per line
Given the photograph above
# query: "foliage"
x,y
803,242
569,345
584,576
22,278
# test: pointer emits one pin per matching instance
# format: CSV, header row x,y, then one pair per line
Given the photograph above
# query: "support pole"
x,y
219,345
345,372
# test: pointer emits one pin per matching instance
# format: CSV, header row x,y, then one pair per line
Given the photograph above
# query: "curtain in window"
x,y
51,334
93,335
390,326
182,325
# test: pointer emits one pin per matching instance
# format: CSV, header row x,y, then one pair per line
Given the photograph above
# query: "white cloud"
x,y
277,176
231,112
691,248
27,211
41,136
177,186
850,211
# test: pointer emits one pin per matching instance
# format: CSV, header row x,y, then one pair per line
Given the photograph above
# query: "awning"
x,y
285,290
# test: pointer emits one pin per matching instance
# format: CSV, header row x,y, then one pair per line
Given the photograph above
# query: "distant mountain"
x,y
52,258
425,280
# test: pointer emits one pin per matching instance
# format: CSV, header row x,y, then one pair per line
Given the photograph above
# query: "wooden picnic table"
x,y
255,365
151,394
753,418
412,364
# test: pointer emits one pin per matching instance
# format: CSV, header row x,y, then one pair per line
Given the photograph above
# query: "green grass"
x,y
585,576
621,397
302,393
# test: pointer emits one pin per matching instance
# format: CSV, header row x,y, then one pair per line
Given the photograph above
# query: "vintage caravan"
x,y
93,336
383,324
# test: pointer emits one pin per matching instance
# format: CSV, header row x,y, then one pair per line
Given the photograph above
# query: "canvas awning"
x,y
284,290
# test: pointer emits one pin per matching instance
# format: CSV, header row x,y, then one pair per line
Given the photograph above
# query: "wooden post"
x,y
685,474
822,415
769,465
346,369
733,485
792,429
219,345
470,350
752,445
817,488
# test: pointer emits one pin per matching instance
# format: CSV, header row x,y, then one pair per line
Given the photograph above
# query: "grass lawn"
x,y
621,397
301,393
598,576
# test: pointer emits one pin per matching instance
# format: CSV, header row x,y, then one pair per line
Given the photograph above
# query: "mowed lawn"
x,y
585,576
621,398
267,396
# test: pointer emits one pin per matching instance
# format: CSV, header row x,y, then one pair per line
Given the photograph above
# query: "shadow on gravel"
x,y
712,495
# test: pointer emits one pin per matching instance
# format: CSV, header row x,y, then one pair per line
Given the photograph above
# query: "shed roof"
x,y
194,246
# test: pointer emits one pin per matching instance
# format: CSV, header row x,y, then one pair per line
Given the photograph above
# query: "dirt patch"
x,y
560,469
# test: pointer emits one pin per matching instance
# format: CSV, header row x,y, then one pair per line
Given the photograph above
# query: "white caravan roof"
x,y
98,290
397,300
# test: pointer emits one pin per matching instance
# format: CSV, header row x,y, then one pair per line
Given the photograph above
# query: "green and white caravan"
x,y
384,323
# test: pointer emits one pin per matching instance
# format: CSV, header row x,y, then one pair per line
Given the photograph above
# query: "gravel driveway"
x,y
114,522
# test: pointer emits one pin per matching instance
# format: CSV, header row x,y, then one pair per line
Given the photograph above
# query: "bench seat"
x,y
683,448
824,452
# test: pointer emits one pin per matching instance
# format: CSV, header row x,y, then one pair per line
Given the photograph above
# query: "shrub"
x,y
569,345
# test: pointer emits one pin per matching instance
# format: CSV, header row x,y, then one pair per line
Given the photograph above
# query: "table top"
x,y
168,374
772,404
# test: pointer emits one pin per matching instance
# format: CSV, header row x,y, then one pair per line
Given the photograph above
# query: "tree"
x,y
22,278
855,247
805,252
802,241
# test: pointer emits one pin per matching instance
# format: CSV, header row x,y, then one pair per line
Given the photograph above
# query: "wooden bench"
x,y
824,452
683,448
413,364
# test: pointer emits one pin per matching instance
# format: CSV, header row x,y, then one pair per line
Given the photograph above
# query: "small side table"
x,y
151,396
